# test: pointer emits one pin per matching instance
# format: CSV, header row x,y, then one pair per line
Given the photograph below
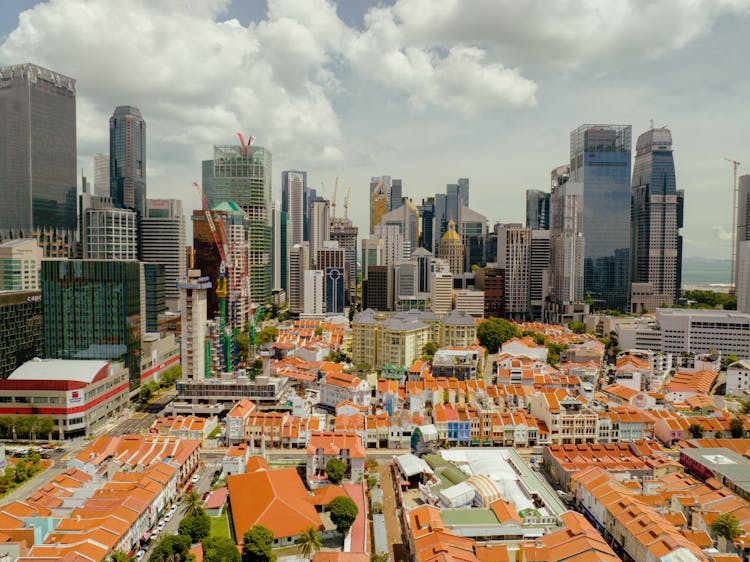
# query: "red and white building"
x,y
76,394
337,387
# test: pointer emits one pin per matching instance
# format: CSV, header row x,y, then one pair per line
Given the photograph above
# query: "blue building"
x,y
600,158
334,290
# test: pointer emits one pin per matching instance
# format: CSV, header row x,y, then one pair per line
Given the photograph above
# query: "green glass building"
x,y
20,329
242,174
94,309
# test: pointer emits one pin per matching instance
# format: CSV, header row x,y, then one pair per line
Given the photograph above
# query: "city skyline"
x,y
505,141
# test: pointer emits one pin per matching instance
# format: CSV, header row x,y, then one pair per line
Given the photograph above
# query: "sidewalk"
x,y
34,484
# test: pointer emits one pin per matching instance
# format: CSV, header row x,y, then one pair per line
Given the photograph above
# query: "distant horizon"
x,y
698,270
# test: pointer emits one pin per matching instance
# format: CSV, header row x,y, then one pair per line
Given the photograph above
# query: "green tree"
x,y
494,332
577,327
553,352
268,334
197,527
220,549
696,430
539,339
243,347
120,556
343,513
335,470
428,350
729,359
22,471
257,545
146,393
192,505
172,548
309,542
46,427
379,557
318,331
727,526
737,427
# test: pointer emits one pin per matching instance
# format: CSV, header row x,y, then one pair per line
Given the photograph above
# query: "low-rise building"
x,y
235,421
323,446
235,460
185,427
738,378
337,387
568,420
461,364
77,394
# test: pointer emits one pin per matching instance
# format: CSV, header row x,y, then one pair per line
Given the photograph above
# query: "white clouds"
x,y
722,233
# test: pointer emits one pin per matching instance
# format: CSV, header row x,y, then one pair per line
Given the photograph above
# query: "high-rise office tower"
x,y
345,233
423,259
377,289
514,257
372,253
310,196
379,194
395,247
293,187
566,243
163,241
334,290
38,157
742,265
320,228
95,309
299,263
109,233
539,278
457,195
406,218
127,159
396,194
242,174
20,264
441,287
600,160
452,249
101,174
405,280
20,327
277,256
472,226
314,292
236,225
427,220
559,176
194,312
655,221
537,209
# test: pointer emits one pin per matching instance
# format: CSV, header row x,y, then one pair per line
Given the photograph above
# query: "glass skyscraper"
x,y
656,217
92,310
242,174
600,157
537,209
38,156
127,159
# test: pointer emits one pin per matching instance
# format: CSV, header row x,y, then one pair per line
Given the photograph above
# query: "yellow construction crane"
x,y
735,165
346,201
335,195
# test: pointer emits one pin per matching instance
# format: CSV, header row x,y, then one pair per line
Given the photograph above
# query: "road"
x,y
140,421
392,520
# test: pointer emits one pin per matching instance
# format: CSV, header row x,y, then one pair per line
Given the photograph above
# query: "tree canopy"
x,y
220,549
737,427
257,545
267,335
335,470
727,526
343,513
494,332
171,547
197,527
696,430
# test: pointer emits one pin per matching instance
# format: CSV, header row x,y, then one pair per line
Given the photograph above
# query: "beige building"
x,y
452,249
20,264
568,420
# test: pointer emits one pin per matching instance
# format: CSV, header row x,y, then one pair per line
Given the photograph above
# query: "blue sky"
x,y
425,90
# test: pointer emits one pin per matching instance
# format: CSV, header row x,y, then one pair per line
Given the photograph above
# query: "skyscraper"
x,y
293,187
452,249
127,159
345,233
379,192
314,292
537,209
277,256
38,157
299,263
101,174
539,266
600,161
742,267
514,256
566,243
193,291
163,241
242,174
655,221
320,228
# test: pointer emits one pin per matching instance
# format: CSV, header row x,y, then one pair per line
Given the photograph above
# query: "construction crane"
x,y
346,201
735,164
335,196
219,237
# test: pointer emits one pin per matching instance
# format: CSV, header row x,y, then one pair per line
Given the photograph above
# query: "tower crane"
x,y
346,201
735,164
335,196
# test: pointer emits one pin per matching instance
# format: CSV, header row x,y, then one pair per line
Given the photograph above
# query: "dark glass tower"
x,y
655,220
600,161
38,156
537,209
127,159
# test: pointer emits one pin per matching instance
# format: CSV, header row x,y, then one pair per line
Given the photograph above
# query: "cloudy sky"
x,y
424,90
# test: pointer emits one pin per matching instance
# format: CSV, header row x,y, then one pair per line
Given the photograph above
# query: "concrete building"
x,y
405,216
380,188
20,265
299,263
491,281
110,234
742,264
101,174
326,445
320,228
441,287
514,257
452,249
193,317
377,288
163,241
372,254
345,233
537,209
293,187
738,378
337,387
566,243
78,395
470,302
655,220
314,289
395,247
539,278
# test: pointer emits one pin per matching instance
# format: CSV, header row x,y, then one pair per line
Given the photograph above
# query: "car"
x,y
195,478
160,526
167,517
173,508
60,450
140,554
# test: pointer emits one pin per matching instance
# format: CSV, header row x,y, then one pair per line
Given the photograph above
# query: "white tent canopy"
x,y
459,495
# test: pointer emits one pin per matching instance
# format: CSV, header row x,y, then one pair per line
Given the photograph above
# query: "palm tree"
x,y
120,556
309,542
192,504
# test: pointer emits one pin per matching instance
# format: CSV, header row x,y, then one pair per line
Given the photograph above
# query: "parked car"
x,y
140,554
195,478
